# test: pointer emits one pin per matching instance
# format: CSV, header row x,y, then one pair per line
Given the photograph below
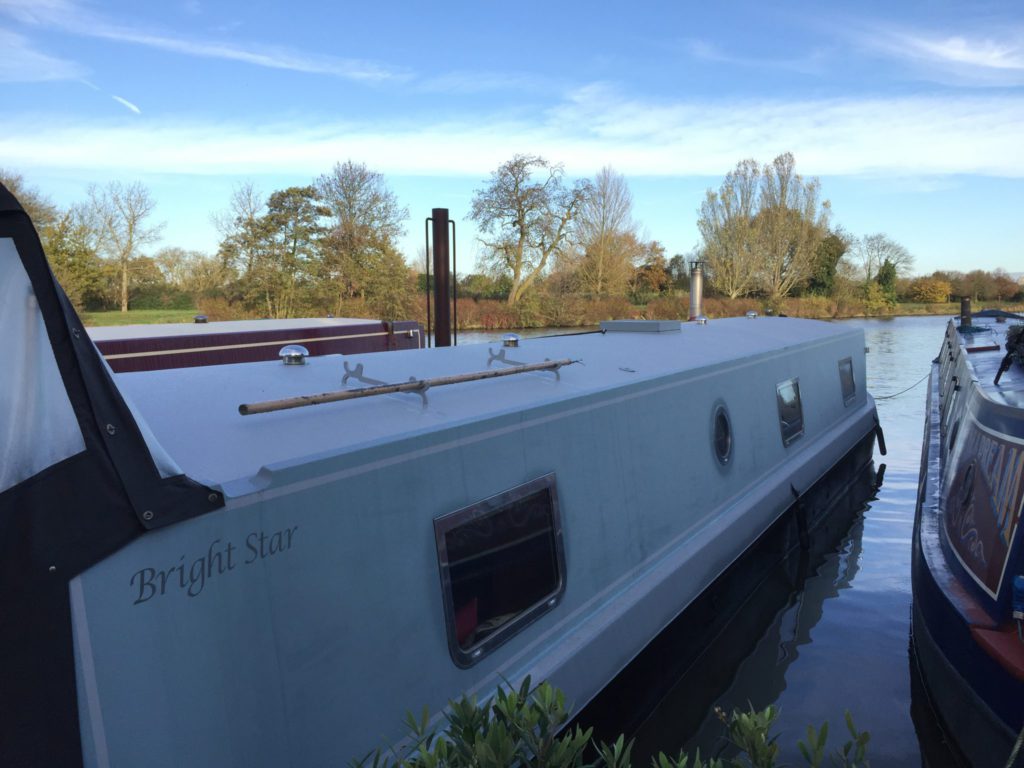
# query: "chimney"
x,y
697,291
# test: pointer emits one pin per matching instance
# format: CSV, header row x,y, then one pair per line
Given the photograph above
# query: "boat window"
x,y
502,566
38,426
722,434
847,381
791,414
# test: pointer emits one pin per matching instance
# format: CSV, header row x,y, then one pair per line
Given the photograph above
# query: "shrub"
x,y
523,727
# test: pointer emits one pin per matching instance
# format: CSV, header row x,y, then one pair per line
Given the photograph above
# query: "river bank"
x,y
575,312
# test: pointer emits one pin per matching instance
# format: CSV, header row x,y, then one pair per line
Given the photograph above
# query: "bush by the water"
x,y
523,727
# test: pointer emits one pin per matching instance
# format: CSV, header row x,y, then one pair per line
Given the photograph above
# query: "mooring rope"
x,y
903,392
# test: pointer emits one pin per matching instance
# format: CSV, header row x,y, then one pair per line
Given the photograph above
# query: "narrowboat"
x,y
185,345
267,564
968,558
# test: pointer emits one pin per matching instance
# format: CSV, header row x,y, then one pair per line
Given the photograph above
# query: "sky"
x,y
911,114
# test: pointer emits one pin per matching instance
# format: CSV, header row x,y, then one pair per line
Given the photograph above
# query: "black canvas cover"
x,y
64,519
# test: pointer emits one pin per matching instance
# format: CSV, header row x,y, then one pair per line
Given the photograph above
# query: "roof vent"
x,y
293,354
644,327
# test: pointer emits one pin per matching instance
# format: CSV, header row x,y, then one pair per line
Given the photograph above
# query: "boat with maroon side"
x,y
155,347
968,555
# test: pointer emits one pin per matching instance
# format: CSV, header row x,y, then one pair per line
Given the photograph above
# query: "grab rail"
x,y
416,386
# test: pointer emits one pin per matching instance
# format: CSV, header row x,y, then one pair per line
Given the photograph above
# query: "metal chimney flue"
x,y
444,319
965,312
697,291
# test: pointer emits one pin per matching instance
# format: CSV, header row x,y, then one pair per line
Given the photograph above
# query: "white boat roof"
x,y
193,412
159,330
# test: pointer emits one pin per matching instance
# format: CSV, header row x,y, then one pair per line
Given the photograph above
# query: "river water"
x,y
841,640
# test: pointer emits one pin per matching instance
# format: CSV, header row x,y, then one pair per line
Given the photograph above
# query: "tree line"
x,y
331,247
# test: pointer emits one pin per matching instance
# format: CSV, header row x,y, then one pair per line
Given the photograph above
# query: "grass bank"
x,y
138,317
571,311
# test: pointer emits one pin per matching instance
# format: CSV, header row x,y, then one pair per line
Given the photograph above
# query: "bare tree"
x,y
239,227
367,223
731,239
792,221
525,222
872,251
120,212
604,227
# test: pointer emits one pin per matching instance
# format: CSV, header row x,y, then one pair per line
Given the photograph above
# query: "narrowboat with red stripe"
x,y
154,347
968,560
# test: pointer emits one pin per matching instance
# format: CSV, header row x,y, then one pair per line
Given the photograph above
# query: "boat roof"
x,y
986,349
159,330
193,413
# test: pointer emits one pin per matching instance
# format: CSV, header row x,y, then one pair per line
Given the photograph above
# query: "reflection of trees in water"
x,y
745,663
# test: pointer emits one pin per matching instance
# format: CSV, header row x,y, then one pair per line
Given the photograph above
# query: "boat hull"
x,y
309,651
978,699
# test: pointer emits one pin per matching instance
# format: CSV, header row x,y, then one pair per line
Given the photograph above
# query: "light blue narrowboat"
x,y
266,564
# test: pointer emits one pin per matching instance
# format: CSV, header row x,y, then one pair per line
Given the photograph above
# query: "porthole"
x,y
721,435
952,435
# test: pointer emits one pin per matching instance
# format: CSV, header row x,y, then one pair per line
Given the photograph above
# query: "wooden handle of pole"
x,y
416,385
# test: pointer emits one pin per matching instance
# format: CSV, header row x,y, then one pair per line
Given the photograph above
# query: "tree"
x,y
120,213
651,276
42,212
1004,286
827,256
240,228
604,227
726,223
193,272
792,220
291,233
871,251
929,290
367,223
523,222
886,278
73,252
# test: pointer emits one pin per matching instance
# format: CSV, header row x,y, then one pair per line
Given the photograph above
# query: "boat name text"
x,y
219,558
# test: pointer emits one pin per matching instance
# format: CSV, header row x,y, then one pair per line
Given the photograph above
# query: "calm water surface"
x,y
842,641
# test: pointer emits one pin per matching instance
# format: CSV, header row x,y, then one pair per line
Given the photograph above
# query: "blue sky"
x,y
911,114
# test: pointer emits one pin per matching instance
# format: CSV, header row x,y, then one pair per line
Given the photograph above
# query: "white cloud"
x,y
704,50
20,62
595,126
955,59
127,104
68,17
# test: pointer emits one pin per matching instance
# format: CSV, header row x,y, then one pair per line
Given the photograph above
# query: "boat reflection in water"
x,y
732,647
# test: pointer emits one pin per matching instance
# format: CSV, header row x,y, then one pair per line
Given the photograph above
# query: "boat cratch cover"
x,y
77,482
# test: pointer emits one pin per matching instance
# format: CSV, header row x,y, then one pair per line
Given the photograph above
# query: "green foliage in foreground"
x,y
523,728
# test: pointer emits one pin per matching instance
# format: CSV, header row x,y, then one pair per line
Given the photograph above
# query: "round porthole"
x,y
721,435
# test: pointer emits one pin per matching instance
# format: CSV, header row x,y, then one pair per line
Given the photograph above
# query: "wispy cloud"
x,y
811,63
127,104
68,17
593,127
20,62
464,82
959,59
